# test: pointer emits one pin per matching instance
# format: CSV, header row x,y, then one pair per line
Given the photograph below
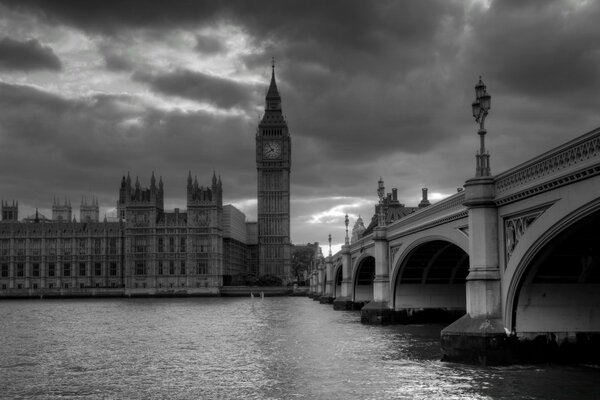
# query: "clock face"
x,y
271,150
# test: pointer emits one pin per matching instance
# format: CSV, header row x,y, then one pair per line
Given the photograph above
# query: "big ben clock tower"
x,y
273,161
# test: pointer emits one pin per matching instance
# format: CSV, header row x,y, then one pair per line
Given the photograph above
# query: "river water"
x,y
239,348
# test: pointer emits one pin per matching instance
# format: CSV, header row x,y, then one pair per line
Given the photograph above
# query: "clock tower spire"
x,y
273,162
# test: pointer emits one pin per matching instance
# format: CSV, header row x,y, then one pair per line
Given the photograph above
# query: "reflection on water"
x,y
276,348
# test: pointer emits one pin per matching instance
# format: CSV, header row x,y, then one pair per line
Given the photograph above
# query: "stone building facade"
x,y
148,251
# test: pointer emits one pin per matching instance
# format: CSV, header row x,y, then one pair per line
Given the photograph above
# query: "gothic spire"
x,y
273,99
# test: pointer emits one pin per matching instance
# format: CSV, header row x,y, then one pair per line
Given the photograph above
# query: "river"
x,y
239,348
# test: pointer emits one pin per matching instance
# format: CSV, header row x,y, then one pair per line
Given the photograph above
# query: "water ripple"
x,y
276,348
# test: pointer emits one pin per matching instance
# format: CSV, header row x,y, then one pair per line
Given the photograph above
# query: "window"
x,y
51,270
182,245
171,245
35,285
97,246
160,268
35,269
161,245
4,247
113,268
81,269
67,246
67,270
4,270
20,243
82,246
20,269
140,244
20,286
66,286
50,285
202,267
51,247
183,268
97,269
112,245
36,247
3,286
81,285
171,268
140,268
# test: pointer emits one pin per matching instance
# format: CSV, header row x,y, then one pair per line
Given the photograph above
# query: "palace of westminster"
x,y
148,250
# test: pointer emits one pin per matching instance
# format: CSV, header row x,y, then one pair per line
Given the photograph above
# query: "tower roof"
x,y
273,92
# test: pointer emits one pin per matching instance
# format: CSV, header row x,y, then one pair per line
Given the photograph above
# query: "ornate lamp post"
x,y
346,221
380,193
330,245
481,107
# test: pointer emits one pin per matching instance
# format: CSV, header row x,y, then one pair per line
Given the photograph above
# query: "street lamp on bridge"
x,y
347,221
380,193
481,107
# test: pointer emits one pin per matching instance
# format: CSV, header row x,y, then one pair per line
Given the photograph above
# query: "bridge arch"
x,y
554,275
430,275
363,274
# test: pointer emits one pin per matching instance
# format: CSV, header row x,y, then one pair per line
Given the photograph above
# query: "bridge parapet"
x,y
449,208
573,161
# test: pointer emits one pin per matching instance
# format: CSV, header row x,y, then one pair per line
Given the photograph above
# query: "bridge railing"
x,y
576,154
431,215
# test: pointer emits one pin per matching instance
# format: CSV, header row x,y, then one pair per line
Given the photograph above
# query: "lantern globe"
x,y
485,101
475,106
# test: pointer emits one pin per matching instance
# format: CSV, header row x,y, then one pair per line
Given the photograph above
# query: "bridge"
x,y
513,261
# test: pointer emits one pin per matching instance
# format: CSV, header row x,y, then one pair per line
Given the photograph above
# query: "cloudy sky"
x,y
90,90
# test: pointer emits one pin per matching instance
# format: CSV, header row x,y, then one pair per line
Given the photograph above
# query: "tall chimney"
x,y
394,194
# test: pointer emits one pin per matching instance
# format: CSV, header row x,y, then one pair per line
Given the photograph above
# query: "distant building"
x,y
393,210
148,250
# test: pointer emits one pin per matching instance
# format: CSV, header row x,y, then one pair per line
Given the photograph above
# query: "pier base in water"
x,y
477,341
343,304
376,313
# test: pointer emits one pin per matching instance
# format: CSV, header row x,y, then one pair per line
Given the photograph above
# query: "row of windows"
x,y
140,245
65,285
51,246
52,269
272,132
170,269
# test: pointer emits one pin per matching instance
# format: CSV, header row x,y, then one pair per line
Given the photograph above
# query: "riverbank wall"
x,y
225,291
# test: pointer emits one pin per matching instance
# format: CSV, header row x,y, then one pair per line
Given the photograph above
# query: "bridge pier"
x,y
344,302
327,296
479,336
378,311
319,283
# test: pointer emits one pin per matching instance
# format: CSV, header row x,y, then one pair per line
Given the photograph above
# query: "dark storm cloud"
x,y
27,55
540,49
223,93
69,146
110,17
